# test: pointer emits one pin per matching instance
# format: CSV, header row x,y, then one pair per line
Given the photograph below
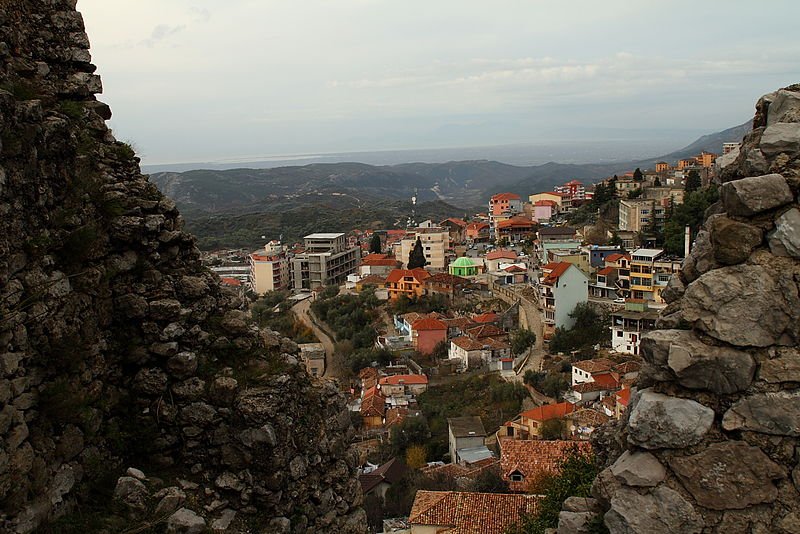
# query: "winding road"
x,y
302,311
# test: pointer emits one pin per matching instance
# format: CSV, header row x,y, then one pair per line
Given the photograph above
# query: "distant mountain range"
x,y
234,208
459,183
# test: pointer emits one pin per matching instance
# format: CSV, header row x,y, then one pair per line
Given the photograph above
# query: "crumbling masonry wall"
x,y
117,346
711,442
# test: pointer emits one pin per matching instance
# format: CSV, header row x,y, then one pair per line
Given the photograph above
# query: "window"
x,y
645,212
516,476
619,333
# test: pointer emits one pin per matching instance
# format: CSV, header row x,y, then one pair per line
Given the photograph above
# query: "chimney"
x,y
687,241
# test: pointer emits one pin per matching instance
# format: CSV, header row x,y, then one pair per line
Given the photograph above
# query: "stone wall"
x,y
118,347
711,442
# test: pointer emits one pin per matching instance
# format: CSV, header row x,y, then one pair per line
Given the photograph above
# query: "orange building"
x,y
406,282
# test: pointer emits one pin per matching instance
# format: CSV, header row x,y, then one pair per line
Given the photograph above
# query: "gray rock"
x,y
660,511
784,367
193,286
638,469
151,381
185,521
660,422
280,525
135,473
729,475
229,481
744,305
654,347
199,413
254,437
223,390
784,108
182,365
191,389
235,322
165,309
674,290
574,522
223,522
581,504
733,241
297,467
131,492
751,196
780,138
721,370
171,499
775,413
701,259
785,240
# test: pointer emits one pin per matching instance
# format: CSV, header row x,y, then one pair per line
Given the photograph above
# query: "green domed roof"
x,y
463,261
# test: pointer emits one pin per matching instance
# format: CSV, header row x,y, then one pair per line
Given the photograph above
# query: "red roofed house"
x,y
391,386
529,423
446,284
622,264
477,231
605,287
457,229
574,189
373,408
515,229
622,398
494,258
563,288
427,333
377,264
455,512
232,282
379,480
589,370
526,463
486,318
587,392
406,282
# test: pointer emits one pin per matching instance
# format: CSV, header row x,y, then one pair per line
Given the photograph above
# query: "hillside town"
x,y
537,304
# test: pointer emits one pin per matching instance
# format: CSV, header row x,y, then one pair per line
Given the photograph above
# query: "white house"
x,y
563,288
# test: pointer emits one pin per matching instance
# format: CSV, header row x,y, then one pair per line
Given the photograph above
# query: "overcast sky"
x,y
205,80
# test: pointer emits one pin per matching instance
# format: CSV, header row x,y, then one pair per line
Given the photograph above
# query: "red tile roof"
x,y
628,367
596,365
396,380
549,411
616,257
429,323
373,404
454,220
499,254
515,269
397,275
379,260
477,225
515,222
588,417
489,317
467,343
505,196
390,472
623,396
556,273
231,282
606,271
551,203
486,330
535,459
470,513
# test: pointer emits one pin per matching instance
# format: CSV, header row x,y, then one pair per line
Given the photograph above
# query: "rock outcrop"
x,y
118,348
713,433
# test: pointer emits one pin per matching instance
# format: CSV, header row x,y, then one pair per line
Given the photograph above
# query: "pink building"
x,y
543,210
427,333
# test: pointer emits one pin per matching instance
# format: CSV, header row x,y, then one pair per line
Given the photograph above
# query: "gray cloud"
x,y
160,33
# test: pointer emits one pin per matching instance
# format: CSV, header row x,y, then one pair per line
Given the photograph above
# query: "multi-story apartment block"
x,y
547,195
269,271
651,270
562,288
639,214
629,325
662,166
326,260
574,189
502,206
435,243
727,148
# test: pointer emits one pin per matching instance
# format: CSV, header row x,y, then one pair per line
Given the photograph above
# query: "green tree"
x,y
375,244
638,176
416,258
634,193
590,329
522,340
693,182
691,213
